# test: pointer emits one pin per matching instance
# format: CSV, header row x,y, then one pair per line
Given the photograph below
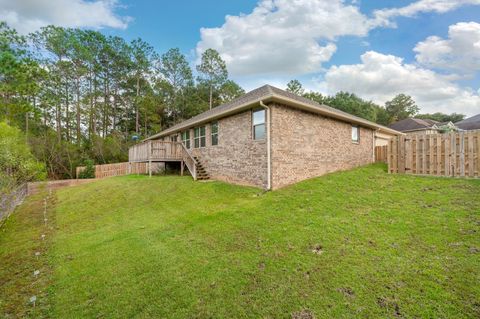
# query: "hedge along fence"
x,y
117,169
452,154
10,200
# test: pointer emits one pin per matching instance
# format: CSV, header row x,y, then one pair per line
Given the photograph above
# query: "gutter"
x,y
269,156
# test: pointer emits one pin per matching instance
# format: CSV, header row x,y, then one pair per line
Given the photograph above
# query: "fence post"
x,y
462,154
471,159
446,155
478,154
150,158
401,153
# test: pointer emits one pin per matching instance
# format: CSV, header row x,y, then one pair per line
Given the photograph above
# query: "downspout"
x,y
269,156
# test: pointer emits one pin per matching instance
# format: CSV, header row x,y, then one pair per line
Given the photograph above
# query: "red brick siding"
x,y
237,158
306,145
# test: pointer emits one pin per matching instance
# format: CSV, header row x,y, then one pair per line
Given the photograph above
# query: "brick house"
x,y
267,138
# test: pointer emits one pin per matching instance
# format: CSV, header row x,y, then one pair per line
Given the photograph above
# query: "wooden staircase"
x,y
201,172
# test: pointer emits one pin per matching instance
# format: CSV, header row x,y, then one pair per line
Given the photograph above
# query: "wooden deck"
x,y
156,151
162,151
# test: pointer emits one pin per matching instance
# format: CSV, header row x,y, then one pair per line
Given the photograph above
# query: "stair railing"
x,y
189,161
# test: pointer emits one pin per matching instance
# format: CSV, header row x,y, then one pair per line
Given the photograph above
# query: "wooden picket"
x,y
452,154
381,153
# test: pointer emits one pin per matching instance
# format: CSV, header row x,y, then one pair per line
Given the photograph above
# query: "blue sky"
x,y
429,49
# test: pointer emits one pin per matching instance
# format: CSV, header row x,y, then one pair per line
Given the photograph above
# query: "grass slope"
x,y
360,243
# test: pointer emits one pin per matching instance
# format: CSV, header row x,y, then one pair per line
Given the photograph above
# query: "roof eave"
x,y
339,116
289,102
232,111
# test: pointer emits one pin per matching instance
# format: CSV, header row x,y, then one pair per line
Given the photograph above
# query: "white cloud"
x,y
29,15
461,51
380,77
383,17
283,36
292,37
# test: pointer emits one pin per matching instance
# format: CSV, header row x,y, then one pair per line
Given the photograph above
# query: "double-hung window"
x,y
355,134
258,122
186,138
214,129
199,137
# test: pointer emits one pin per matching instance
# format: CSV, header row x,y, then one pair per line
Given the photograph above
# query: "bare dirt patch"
x,y
303,314
317,249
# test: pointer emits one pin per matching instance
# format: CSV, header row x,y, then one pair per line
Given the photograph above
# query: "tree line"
x,y
79,95
402,106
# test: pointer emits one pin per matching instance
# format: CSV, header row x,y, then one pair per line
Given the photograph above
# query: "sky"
x,y
429,49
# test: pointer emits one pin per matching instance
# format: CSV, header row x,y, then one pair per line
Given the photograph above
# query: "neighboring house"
x,y
268,138
472,123
422,126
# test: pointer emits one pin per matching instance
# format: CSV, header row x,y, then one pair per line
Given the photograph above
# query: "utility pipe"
x,y
269,159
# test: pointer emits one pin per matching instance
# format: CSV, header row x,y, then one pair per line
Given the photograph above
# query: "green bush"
x,y
17,163
89,171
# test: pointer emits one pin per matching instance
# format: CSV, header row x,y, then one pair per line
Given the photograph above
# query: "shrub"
x,y
89,171
17,164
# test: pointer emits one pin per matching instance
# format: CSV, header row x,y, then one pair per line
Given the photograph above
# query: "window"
x,y
214,128
355,134
173,138
186,138
258,121
199,137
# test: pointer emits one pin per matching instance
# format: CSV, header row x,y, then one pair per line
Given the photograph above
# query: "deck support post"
x,y
181,168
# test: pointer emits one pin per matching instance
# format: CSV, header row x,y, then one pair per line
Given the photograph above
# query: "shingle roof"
x,y
412,124
268,93
248,97
472,123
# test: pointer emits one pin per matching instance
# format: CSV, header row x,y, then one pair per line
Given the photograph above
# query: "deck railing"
x,y
189,161
162,151
155,151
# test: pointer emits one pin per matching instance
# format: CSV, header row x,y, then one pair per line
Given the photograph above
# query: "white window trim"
x,y
200,137
184,141
211,134
264,124
357,141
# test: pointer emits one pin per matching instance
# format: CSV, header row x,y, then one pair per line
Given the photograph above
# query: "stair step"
x,y
201,172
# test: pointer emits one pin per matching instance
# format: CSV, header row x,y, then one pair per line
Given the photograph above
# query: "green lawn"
x,y
358,244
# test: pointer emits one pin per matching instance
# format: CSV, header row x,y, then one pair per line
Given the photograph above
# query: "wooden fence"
x,y
453,154
381,153
117,169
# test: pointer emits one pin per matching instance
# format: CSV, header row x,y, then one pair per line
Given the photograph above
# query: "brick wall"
x,y
306,145
237,158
